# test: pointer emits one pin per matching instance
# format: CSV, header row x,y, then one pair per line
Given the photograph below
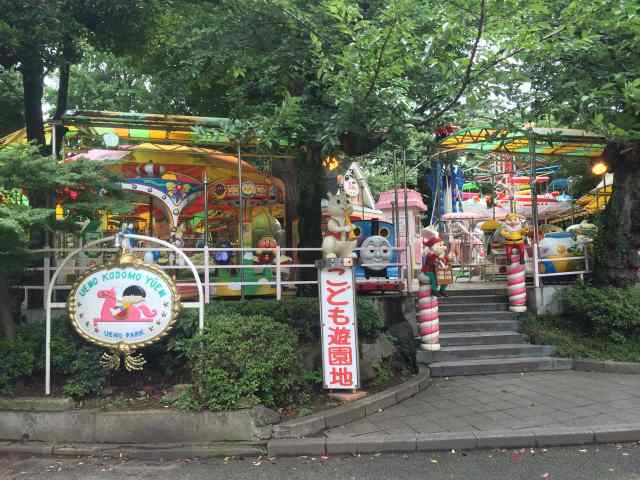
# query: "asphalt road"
x,y
603,462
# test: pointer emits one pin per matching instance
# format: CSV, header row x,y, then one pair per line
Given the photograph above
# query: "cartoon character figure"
x,y
128,309
176,239
435,259
376,253
265,257
340,240
513,234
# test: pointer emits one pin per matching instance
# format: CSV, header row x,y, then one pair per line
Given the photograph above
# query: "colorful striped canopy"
x,y
559,142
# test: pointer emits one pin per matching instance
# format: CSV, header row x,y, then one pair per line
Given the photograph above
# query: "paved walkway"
x,y
508,402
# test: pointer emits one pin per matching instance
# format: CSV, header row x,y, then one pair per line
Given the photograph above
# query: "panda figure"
x,y
376,253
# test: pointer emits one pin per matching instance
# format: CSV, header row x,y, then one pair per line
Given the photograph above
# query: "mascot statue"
x,y
435,259
513,233
339,240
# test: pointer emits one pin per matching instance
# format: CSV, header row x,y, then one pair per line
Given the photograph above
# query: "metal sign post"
x,y
117,239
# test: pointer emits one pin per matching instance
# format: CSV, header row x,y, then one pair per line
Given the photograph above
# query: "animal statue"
x,y
339,240
128,309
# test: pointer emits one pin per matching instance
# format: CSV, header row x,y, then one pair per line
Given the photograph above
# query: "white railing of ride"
x,y
207,268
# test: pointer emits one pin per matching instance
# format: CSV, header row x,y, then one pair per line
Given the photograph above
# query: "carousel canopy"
x,y
561,142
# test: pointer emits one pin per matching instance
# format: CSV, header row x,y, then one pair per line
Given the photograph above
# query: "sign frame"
x,y
347,265
131,262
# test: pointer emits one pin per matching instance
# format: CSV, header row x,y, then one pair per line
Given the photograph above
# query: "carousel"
x,y
189,186
489,183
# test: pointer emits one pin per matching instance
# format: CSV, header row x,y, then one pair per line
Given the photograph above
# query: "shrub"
x,y
76,360
72,359
608,311
244,360
17,361
300,313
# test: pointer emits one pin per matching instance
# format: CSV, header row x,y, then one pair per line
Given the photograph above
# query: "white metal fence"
x,y
287,274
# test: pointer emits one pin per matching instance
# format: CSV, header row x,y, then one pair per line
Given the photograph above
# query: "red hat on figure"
x,y
431,242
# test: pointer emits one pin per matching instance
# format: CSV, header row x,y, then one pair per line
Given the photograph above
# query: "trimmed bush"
x,y
610,312
72,359
300,313
240,361
18,360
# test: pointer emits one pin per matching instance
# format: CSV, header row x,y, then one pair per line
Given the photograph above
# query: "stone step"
x,y
447,354
452,326
481,338
465,292
498,365
478,316
473,299
473,307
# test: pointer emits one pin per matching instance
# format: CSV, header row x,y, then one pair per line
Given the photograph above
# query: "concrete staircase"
x,y
479,335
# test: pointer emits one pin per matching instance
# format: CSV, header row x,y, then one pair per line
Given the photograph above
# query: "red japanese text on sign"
x,y
339,330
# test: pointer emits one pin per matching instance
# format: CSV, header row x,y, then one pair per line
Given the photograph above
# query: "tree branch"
x,y
376,73
467,74
473,75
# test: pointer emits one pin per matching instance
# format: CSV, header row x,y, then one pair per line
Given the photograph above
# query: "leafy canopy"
x,y
24,171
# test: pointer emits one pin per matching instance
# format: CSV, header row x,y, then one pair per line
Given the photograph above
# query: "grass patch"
x,y
573,342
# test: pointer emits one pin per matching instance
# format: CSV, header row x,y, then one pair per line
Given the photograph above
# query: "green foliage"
x,y
103,81
243,361
77,361
11,117
73,360
572,341
300,313
609,312
18,361
23,169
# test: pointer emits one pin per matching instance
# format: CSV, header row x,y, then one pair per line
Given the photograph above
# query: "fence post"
x,y
278,275
207,292
45,271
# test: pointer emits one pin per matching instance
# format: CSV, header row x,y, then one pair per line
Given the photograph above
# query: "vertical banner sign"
x,y
339,328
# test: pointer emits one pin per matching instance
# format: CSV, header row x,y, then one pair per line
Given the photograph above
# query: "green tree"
x,y
104,81
332,76
24,171
40,36
589,76
11,117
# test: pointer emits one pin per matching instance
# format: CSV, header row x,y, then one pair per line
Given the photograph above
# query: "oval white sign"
x,y
124,304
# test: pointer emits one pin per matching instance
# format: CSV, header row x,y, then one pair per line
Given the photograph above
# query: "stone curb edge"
x,y
526,438
137,451
607,366
335,417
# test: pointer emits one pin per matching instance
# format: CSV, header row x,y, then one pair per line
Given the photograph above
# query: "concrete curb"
x,y
137,451
606,366
525,438
316,423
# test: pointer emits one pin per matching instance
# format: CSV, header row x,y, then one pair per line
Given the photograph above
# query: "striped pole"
x,y
516,284
427,313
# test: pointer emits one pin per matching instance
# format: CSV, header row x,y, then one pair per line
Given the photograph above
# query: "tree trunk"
x,y
62,101
617,260
33,84
286,170
7,323
312,189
